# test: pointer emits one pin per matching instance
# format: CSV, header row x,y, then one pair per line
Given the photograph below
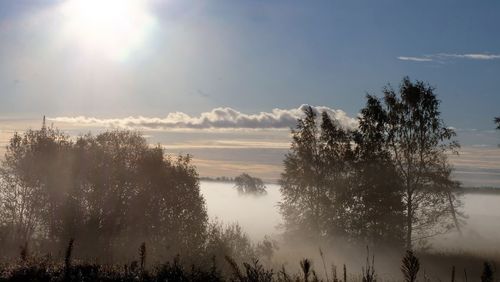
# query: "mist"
x,y
257,214
259,217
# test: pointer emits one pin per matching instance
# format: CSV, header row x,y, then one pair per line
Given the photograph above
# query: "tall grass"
x,y
410,267
35,268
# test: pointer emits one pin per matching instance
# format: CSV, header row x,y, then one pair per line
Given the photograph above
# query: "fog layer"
x,y
259,216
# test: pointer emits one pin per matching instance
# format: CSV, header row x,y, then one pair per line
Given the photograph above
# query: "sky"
x,y
224,80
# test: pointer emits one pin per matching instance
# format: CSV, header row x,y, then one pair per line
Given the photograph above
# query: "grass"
x,y
32,268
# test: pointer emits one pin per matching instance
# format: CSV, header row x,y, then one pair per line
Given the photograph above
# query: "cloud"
x,y
230,144
218,118
415,59
447,56
470,56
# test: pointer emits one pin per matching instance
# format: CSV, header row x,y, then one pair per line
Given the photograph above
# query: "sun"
x,y
113,28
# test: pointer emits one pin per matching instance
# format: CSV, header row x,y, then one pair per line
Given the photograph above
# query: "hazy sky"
x,y
228,64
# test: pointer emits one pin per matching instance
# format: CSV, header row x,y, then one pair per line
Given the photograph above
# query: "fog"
x,y
482,225
259,216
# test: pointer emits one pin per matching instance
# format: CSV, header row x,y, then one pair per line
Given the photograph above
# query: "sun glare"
x,y
113,28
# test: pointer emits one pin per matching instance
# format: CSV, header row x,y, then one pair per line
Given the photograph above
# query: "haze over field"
x,y
259,215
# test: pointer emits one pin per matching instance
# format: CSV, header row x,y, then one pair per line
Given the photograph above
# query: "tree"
x,y
378,210
335,174
131,193
418,140
32,184
108,191
301,184
246,184
342,183
388,180
314,184
497,121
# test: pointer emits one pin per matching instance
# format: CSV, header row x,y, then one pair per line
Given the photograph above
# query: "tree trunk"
x,y
454,213
409,222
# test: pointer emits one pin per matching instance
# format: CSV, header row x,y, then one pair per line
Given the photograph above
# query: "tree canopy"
x,y
388,180
246,184
107,191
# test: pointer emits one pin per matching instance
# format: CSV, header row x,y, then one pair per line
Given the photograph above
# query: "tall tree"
x,y
335,174
33,182
378,209
314,182
418,140
387,181
300,182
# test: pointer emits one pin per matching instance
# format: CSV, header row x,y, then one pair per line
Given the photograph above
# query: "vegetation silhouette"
x,y
106,191
389,180
487,275
246,184
410,266
47,269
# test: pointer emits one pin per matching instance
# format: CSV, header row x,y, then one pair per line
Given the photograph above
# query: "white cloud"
x,y
415,59
218,118
477,56
448,56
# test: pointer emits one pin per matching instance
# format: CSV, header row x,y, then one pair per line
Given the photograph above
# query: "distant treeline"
x,y
481,190
217,179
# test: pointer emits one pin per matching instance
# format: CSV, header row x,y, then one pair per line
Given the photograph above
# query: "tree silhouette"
x,y
497,121
301,182
418,140
410,265
32,184
389,180
246,184
338,182
379,211
106,191
314,184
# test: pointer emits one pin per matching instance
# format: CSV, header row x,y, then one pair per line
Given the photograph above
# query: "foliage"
x,y
266,248
378,212
487,275
107,191
47,269
246,184
418,140
227,241
410,266
387,181
32,184
306,266
314,184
